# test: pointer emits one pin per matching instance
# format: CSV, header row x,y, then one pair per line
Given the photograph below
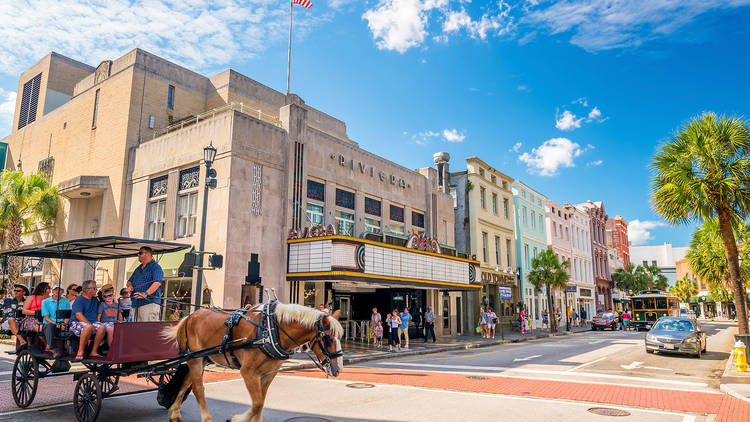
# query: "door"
x,y
345,304
446,315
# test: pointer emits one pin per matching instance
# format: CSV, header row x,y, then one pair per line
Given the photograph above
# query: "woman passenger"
x,y
32,304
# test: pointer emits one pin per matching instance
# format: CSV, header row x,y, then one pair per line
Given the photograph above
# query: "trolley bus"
x,y
650,305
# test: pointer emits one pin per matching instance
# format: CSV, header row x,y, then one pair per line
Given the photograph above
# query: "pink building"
x,y
599,253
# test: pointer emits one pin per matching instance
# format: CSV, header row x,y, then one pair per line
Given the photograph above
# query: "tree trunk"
x,y
551,315
15,230
738,287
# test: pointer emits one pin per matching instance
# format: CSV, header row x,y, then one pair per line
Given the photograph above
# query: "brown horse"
x,y
297,325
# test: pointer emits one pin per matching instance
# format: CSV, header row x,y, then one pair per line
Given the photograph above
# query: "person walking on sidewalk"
x,y
545,319
583,317
492,320
522,319
403,328
429,324
379,335
374,319
483,322
575,318
393,322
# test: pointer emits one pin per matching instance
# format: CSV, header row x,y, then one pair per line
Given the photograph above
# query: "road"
x,y
559,379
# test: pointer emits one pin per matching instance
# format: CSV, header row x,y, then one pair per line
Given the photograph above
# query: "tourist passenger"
x,y
10,307
72,293
50,306
145,285
83,322
32,304
429,324
126,306
108,312
393,321
403,328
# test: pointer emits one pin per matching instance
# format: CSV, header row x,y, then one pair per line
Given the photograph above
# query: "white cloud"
x,y
608,24
523,88
639,231
595,114
568,121
7,108
423,138
400,24
200,34
339,4
516,147
594,163
495,21
554,153
452,135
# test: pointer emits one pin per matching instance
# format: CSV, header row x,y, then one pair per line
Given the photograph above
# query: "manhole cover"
x,y
307,419
608,411
360,385
477,377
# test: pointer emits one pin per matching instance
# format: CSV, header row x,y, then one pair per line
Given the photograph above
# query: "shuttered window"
x,y
29,101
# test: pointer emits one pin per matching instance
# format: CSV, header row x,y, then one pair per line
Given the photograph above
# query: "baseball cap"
x,y
58,286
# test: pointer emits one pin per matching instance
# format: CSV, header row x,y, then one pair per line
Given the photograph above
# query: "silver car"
x,y
676,335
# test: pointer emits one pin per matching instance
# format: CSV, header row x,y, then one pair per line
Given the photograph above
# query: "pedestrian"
x,y
403,328
545,319
575,318
374,319
145,286
558,317
429,324
379,335
522,320
619,320
483,322
569,315
417,318
393,321
491,321
584,316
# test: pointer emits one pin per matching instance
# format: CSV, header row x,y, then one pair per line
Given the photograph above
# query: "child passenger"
x,y
109,312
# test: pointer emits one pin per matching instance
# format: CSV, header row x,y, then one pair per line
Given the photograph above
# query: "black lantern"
x,y
209,154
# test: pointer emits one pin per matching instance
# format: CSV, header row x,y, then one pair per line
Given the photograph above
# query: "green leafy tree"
x,y
25,203
707,258
703,172
547,271
684,289
637,278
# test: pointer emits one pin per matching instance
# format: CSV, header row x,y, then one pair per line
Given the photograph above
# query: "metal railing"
x,y
191,120
356,330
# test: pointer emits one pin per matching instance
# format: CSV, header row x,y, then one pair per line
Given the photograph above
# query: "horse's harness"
x,y
267,337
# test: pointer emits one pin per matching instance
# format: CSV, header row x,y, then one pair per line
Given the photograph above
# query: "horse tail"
x,y
172,333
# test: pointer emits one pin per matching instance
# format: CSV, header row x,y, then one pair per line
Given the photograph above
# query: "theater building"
x,y
332,223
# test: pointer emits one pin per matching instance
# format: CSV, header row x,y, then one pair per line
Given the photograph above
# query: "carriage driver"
x,y
145,286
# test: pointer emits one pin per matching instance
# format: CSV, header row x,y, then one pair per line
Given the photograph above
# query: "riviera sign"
x,y
363,168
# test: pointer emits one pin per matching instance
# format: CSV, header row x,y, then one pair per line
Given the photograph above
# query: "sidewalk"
x,y
734,383
357,352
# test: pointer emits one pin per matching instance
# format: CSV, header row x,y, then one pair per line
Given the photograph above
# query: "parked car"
x,y
676,335
604,320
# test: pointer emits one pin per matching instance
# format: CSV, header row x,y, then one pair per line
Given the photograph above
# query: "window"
x,y
314,214
526,256
533,220
157,217
170,97
484,247
494,203
541,222
494,179
505,208
645,263
535,252
151,121
523,193
566,233
96,109
445,231
505,185
417,219
481,198
481,172
187,215
344,223
316,190
372,206
525,221
653,263
452,192
372,225
344,199
396,228
507,251
29,101
497,250
397,214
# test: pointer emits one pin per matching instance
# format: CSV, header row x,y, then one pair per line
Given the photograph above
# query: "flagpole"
x,y
289,51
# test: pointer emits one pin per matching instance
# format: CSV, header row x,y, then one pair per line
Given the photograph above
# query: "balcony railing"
x,y
191,120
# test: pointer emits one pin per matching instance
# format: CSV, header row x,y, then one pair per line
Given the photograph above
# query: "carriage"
x,y
138,348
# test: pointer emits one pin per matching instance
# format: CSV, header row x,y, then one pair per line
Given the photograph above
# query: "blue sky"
x,y
573,97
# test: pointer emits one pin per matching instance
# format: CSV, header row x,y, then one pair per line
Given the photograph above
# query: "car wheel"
x,y
649,351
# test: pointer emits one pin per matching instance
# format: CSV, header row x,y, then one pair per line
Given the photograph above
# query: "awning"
x,y
97,248
701,299
173,264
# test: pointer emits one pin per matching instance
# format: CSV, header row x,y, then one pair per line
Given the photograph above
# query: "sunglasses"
x,y
142,253
109,295
18,291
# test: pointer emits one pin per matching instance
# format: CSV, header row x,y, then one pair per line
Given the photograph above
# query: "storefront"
x,y
500,292
355,275
586,301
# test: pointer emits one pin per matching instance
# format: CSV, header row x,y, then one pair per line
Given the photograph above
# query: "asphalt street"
x,y
611,357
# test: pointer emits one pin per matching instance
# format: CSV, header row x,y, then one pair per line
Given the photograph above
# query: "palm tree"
x,y
684,289
25,201
637,278
548,271
703,172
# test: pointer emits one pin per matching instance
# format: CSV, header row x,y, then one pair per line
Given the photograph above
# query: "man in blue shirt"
x,y
50,306
404,327
83,322
145,285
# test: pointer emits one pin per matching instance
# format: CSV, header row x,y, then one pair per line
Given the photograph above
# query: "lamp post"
x,y
209,154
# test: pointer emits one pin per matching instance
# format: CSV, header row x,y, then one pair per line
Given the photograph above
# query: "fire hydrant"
x,y
740,358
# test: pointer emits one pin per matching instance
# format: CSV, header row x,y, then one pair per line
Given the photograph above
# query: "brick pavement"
x,y
727,408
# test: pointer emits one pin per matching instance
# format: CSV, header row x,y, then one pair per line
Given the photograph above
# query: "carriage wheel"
x,y
164,399
87,398
24,378
108,383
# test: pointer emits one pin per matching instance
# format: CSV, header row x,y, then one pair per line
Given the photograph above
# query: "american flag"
x,y
305,3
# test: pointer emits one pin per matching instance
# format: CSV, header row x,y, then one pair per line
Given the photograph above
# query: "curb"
x,y
729,388
464,346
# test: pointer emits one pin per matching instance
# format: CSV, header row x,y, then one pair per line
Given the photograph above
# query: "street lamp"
x,y
209,155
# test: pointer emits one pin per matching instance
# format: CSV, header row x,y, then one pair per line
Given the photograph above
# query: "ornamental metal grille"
x,y
397,214
257,189
46,167
190,178
344,199
316,190
372,206
158,187
32,264
417,219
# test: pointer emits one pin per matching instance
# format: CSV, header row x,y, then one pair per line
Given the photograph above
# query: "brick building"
x,y
617,238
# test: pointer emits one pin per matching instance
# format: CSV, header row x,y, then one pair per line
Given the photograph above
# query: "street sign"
x,y
571,289
505,293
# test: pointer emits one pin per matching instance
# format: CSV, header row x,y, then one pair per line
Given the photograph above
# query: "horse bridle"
x,y
324,341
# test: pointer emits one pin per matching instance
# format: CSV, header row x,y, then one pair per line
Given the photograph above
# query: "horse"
x,y
205,328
